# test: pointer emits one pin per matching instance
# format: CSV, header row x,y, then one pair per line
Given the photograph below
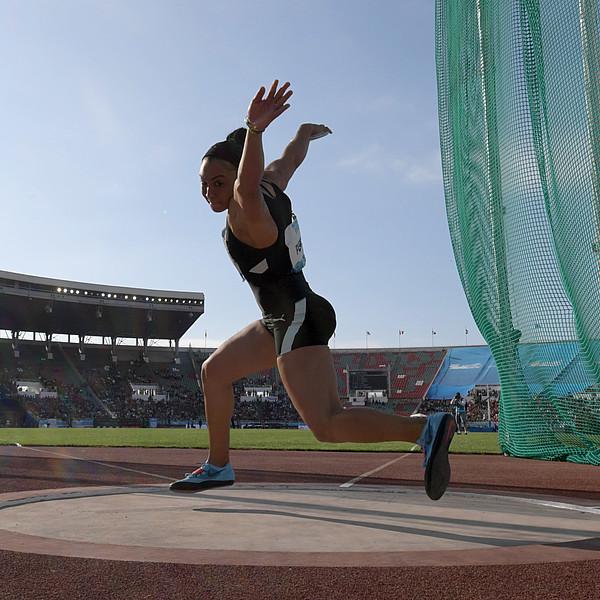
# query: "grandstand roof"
x,y
40,304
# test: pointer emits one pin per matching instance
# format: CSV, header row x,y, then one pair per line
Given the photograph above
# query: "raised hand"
x,y
263,111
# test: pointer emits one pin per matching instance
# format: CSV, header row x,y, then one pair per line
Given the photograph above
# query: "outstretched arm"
x,y
280,171
261,112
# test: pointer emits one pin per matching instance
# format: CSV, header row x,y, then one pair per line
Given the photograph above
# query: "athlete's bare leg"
x,y
309,378
248,351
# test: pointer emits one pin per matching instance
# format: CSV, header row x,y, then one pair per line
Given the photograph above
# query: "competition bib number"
x,y
293,242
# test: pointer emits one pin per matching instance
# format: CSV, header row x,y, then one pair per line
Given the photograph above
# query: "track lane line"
x,y
94,462
548,503
380,468
593,510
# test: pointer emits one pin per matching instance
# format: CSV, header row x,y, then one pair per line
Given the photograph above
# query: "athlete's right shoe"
x,y
435,440
206,477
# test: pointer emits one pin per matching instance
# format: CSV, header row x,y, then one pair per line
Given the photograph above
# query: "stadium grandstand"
x,y
105,370
42,378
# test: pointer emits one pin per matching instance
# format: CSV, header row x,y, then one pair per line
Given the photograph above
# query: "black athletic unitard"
x,y
292,312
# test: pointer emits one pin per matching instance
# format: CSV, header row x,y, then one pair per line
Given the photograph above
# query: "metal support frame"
x,y
145,351
176,358
49,354
15,343
113,349
81,346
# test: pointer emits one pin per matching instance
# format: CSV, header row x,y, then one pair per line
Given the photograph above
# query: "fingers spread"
x,y
281,91
273,89
259,95
286,97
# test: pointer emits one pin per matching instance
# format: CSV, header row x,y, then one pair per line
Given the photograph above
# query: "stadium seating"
x,y
99,389
411,373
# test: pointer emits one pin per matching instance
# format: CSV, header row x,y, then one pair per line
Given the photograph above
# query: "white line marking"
x,y
576,507
95,462
562,505
380,468
595,510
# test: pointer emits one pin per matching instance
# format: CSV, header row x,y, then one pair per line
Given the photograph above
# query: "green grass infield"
x,y
241,439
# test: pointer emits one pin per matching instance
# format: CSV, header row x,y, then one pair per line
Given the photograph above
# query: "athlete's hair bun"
x,y
229,150
238,136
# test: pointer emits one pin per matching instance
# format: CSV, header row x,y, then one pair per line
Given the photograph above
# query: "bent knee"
x,y
323,434
214,371
324,430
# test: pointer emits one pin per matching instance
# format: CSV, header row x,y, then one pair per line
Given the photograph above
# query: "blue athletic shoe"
x,y
435,440
206,477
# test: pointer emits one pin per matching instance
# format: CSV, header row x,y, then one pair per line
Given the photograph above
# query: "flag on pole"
x,y
466,332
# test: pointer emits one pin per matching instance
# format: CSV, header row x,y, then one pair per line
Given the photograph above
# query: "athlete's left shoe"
x,y
435,440
205,478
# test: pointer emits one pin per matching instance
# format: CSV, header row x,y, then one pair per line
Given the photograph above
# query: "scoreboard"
x,y
369,379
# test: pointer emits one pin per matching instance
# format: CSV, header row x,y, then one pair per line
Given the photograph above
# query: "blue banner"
x,y
462,370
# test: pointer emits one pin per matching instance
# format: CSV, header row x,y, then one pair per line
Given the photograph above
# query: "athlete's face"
x,y
217,178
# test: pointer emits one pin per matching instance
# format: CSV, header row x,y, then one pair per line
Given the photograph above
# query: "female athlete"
x,y
262,237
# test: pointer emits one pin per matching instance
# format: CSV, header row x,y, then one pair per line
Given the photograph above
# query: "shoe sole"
x,y
437,472
190,488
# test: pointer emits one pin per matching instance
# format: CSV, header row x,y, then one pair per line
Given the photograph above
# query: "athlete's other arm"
x,y
280,171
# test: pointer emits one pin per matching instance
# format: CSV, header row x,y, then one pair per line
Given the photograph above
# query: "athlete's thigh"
x,y
309,377
248,351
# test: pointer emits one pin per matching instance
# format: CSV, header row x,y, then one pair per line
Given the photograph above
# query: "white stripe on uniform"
x,y
290,334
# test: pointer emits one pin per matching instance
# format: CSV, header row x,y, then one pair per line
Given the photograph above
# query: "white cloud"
x,y
423,172
375,159
368,160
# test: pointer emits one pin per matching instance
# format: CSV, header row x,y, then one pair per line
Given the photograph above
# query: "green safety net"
x,y
519,111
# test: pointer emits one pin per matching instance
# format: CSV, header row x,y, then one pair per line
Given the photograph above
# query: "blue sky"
x,y
107,108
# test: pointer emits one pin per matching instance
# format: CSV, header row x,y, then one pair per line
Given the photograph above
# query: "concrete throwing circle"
x,y
297,525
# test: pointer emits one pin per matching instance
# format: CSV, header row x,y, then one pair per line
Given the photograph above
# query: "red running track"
x,y
30,576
